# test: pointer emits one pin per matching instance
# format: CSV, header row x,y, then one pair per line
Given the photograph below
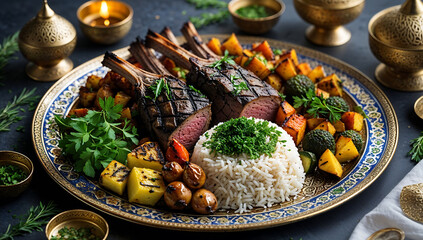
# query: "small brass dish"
x,y
418,107
256,25
90,11
17,159
388,234
395,39
328,18
77,219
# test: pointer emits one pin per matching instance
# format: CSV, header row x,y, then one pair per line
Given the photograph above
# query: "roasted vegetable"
x,y
93,82
204,202
327,126
353,121
257,67
338,102
147,155
331,84
304,68
319,92
328,163
298,86
286,69
145,186
312,123
126,113
295,126
309,161
339,126
78,112
316,74
232,45
193,176
292,55
177,195
265,49
104,92
275,81
215,46
115,177
86,97
176,152
317,141
172,171
122,98
345,149
356,138
285,110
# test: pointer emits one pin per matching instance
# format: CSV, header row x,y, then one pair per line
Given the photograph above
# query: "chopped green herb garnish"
x,y
157,88
283,96
225,59
75,234
316,105
238,87
11,174
254,11
244,135
197,91
181,72
277,51
96,139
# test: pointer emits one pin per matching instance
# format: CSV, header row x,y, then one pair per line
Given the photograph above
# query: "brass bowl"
x,y
401,65
257,25
21,161
327,18
78,218
101,34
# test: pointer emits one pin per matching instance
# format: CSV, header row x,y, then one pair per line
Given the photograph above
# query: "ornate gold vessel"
x,y
328,18
46,41
395,38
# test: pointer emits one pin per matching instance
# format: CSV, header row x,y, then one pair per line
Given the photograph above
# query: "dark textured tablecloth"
x,y
337,223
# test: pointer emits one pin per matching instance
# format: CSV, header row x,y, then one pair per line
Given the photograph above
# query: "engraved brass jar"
x,y
327,18
395,38
46,41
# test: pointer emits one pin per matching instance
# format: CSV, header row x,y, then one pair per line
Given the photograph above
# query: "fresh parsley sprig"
x,y
34,220
416,151
317,106
96,139
10,113
197,91
225,59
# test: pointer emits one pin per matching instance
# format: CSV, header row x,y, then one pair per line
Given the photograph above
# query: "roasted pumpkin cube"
x,y
215,46
86,97
339,126
295,125
145,186
331,84
304,68
327,126
232,45
126,113
312,123
258,68
286,69
353,121
122,98
285,110
78,112
247,53
316,74
319,92
275,81
291,54
265,49
147,155
170,65
115,177
328,163
345,149
104,92
93,82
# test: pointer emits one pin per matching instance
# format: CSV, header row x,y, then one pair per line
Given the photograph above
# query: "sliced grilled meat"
x,y
234,91
175,112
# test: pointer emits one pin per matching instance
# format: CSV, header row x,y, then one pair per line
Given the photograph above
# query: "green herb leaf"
x,y
225,59
207,18
201,4
360,110
157,88
197,91
8,49
416,151
238,87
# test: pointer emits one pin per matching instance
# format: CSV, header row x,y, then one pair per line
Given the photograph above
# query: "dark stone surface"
x,y
334,224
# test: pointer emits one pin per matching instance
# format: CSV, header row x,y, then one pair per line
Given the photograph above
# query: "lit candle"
x,y
105,19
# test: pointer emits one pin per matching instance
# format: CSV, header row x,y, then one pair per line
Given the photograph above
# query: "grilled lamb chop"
x,y
195,43
233,90
167,33
174,112
146,57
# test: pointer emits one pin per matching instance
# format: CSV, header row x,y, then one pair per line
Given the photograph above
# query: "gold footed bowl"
x,y
395,40
327,19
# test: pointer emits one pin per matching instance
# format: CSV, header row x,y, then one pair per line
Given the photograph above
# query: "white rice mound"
x,y
242,183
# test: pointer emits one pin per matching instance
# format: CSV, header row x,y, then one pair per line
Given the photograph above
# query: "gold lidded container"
x,y
327,18
78,218
46,41
395,38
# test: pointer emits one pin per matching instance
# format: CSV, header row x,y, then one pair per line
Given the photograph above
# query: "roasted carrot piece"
x,y
295,125
265,49
285,110
215,46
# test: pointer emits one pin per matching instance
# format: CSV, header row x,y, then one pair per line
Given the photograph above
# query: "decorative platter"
x,y
317,196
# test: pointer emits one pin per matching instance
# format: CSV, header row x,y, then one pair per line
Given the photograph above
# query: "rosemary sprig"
x,y
157,88
416,151
7,49
201,4
208,18
10,113
34,220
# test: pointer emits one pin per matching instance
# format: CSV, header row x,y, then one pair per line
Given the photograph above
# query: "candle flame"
x,y
104,10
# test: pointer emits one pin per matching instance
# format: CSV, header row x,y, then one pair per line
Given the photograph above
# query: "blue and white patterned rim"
x,y
376,144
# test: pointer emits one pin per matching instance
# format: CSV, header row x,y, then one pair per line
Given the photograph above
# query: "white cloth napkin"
x,y
389,214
